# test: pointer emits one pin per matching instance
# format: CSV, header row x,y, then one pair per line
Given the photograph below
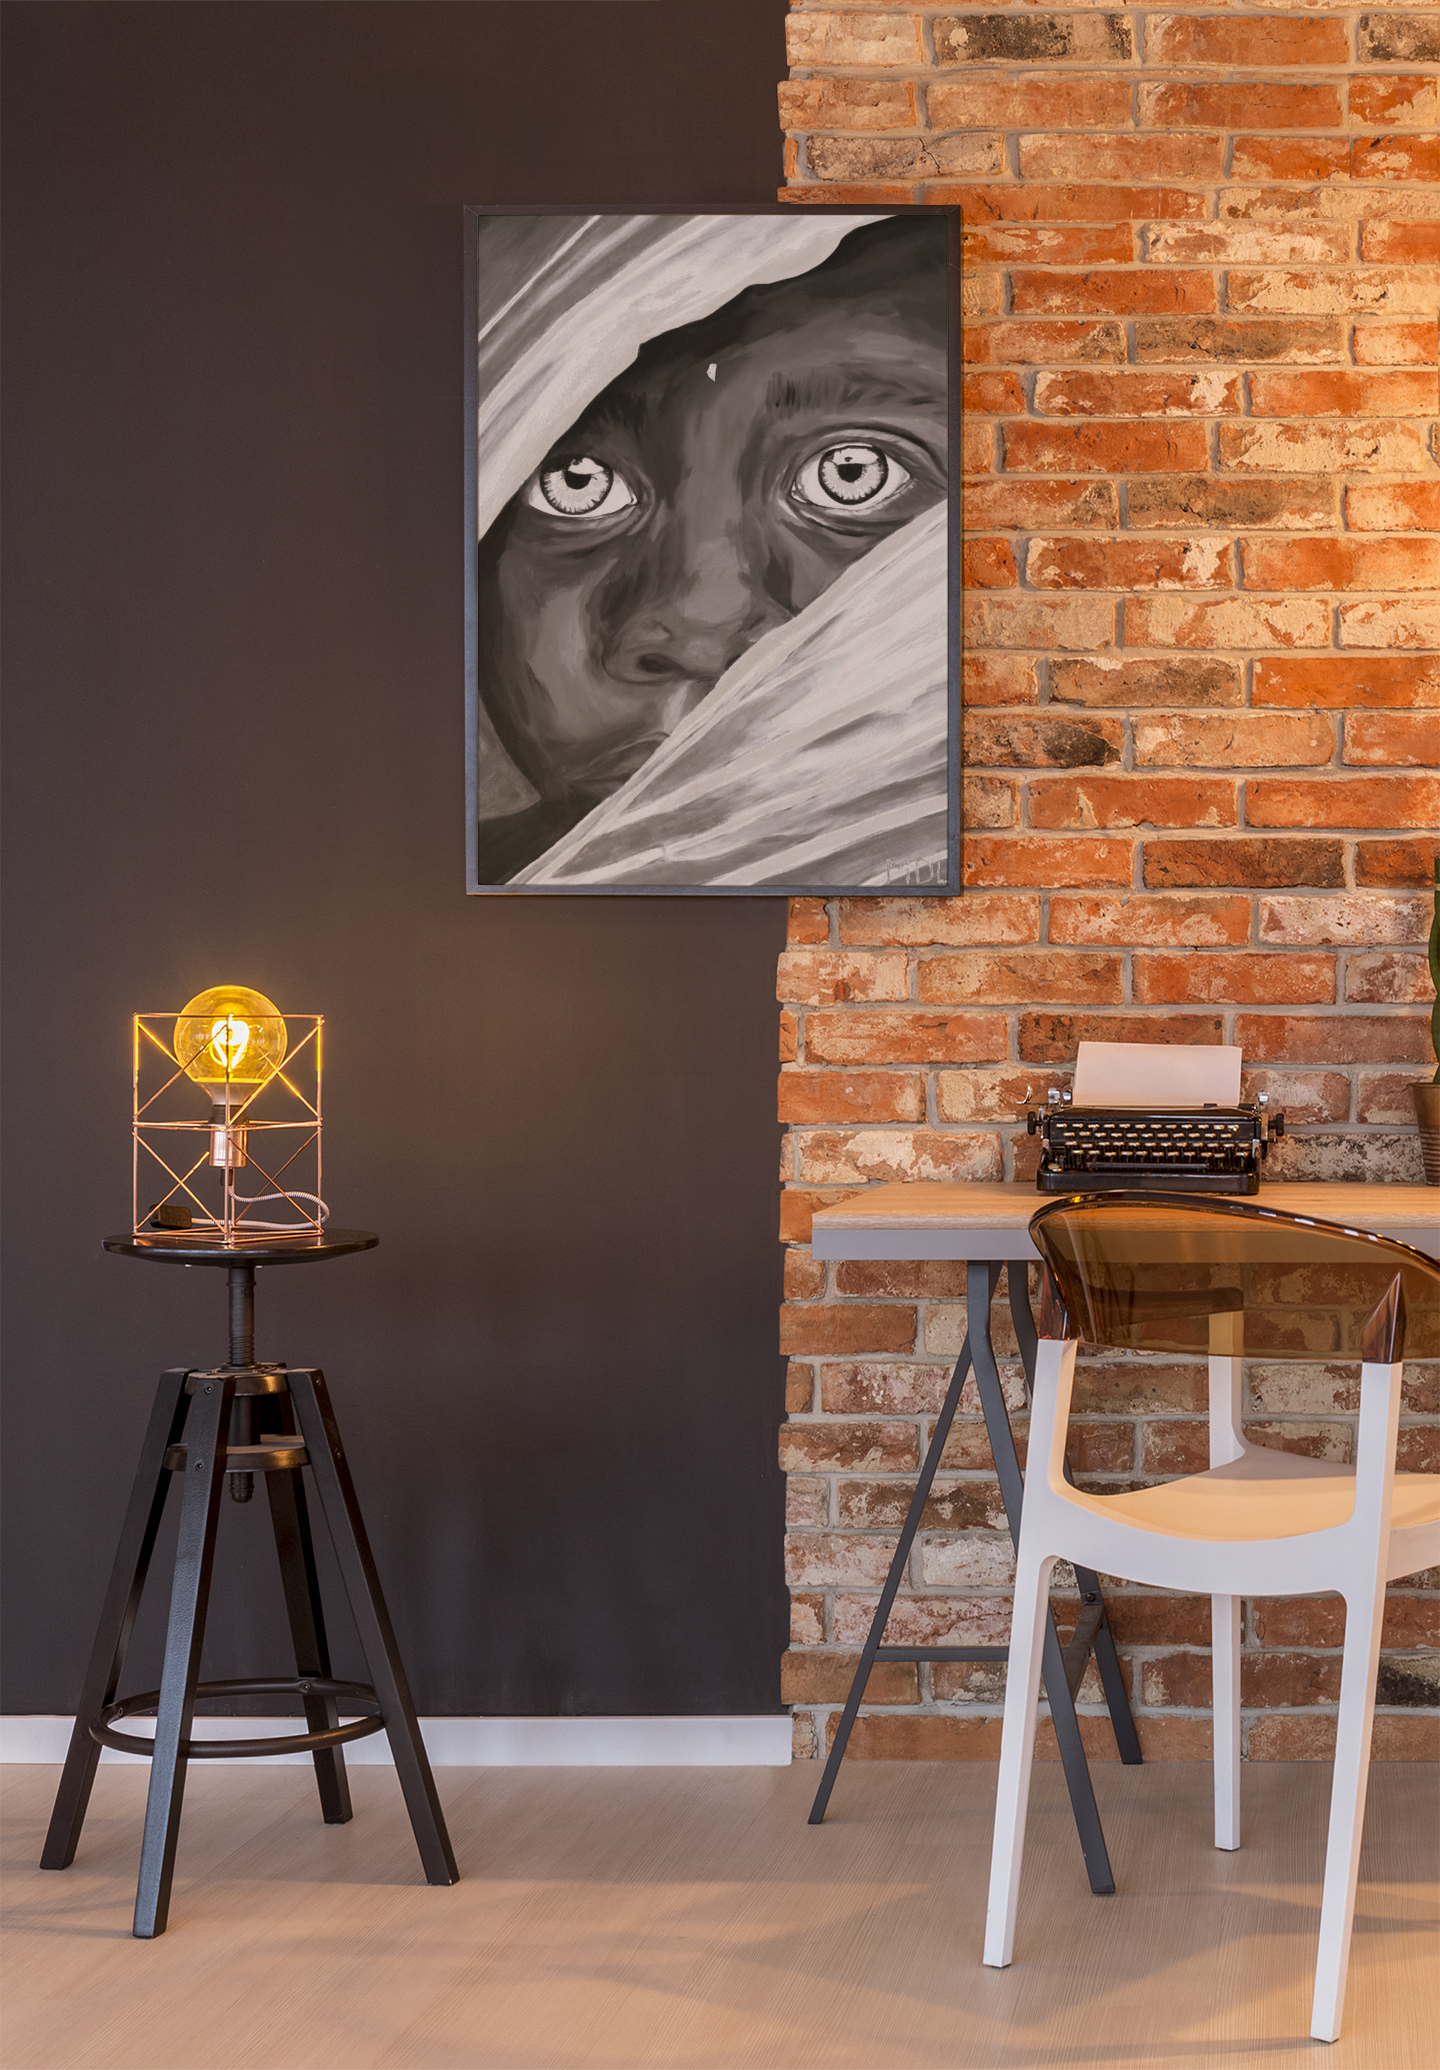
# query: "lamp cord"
x,y
248,1199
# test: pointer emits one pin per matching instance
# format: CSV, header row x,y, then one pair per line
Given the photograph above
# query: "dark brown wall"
x,y
233,379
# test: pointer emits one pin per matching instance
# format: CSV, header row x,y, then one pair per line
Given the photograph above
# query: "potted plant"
x,y
1427,1096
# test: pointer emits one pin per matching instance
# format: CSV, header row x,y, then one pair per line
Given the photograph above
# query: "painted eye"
x,y
579,488
847,477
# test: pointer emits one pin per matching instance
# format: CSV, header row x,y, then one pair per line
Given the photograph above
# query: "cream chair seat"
x,y
1208,1275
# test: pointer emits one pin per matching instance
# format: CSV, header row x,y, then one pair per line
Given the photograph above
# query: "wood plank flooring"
x,y
689,1919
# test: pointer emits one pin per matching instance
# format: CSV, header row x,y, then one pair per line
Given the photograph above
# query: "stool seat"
x,y
271,1455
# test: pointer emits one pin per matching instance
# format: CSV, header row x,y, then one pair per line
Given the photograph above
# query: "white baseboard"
x,y
743,1742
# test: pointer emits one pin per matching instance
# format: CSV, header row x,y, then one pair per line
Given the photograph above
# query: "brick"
x,y
1027,101
1124,446
821,977
1393,506
1224,340
988,564
1395,344
920,1736
1267,1681
1017,977
973,1561
836,1559
1370,287
1384,1096
917,1279
1053,1038
927,1620
1245,861
828,1447
988,801
903,1038
1237,104
1129,564
1396,862
1357,801
1348,920
804,1276
1081,622
1022,203
1244,621
994,393
1139,1387
1214,392
1388,38
1396,738
1335,201
808,920
850,1096
1340,392
1410,1621
1395,158
865,195
1122,292
1334,681
1388,980
859,158
1236,980
807,1620
1121,157
1031,505
1290,158
807,1501
1390,622
1236,740
1034,39
1346,1039
828,1157
843,37
1333,564
951,1505
1305,1097
823,1678
850,1327
1248,244
1028,742
1183,679
1310,1737
1130,801
1318,1390
1297,503
789,1036
1049,244
1154,1619
1384,446
941,922
799,1386
1161,1739
1214,922
1401,244
881,1388
1045,861
981,294
1053,342
1395,100
999,679
847,104
1001,1095
1252,41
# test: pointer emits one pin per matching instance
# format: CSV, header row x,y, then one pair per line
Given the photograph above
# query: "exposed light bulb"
x,y
229,1040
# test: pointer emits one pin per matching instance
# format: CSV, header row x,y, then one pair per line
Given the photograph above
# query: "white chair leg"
x,y
1347,1808
1017,1747
1225,1709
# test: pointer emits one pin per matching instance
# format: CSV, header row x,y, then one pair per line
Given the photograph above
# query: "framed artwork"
x,y
713,550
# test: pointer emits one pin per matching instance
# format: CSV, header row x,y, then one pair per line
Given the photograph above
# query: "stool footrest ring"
x,y
351,1695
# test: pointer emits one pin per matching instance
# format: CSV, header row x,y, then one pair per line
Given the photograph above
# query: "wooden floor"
x,y
628,1918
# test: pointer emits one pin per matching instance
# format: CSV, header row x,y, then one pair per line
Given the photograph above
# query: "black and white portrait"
x,y
714,552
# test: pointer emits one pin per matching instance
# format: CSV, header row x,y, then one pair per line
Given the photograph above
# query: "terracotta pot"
x,y
1427,1115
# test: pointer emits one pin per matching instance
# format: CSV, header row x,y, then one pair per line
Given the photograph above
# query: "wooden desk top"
x,y
926,1220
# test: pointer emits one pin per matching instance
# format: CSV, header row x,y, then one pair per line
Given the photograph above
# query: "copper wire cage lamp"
x,y
195,1170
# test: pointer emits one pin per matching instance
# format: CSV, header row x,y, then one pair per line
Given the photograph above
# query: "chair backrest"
x,y
1202,1274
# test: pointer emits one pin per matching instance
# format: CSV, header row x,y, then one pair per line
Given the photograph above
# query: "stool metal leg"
x,y
290,1520
117,1618
317,1423
207,1431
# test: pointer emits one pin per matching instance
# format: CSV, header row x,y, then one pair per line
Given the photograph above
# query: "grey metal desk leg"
x,y
1100,1639
979,1282
892,1581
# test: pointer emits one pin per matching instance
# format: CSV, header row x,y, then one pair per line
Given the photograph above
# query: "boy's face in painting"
x,y
710,493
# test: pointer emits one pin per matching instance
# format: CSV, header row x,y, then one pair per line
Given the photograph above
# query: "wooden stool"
x,y
195,1416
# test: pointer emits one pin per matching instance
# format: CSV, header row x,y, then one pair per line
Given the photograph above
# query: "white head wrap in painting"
x,y
820,754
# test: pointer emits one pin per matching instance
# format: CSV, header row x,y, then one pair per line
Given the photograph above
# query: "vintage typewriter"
x,y
1205,1149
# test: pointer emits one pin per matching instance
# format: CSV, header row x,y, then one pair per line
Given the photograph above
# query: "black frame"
x,y
952,887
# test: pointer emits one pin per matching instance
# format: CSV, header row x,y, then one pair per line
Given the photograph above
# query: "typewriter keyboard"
x,y
1179,1147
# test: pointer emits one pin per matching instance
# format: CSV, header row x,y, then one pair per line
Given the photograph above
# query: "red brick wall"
x,y
1201,685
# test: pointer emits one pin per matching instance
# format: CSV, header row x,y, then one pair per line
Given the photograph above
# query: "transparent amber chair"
x,y
1227,1280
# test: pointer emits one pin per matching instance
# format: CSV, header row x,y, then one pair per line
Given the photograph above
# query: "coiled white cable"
x,y
249,1199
